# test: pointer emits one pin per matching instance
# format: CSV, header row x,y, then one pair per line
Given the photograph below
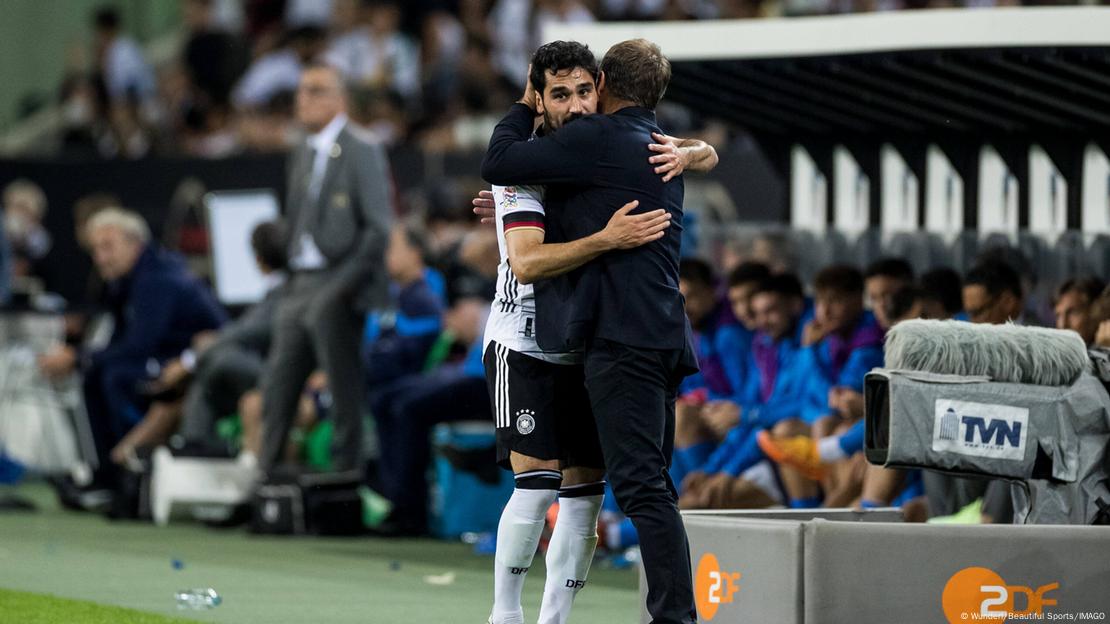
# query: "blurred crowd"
x,y
432,72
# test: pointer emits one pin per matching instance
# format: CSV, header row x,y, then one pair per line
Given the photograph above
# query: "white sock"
x,y
518,534
828,449
571,550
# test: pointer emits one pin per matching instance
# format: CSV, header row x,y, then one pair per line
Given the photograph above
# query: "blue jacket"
x,y
723,347
756,413
396,343
865,353
801,390
157,309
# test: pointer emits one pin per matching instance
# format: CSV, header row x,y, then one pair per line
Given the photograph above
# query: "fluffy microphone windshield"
x,y
1009,353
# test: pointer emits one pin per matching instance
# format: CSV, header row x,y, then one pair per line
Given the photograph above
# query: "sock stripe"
x,y
536,473
539,480
597,488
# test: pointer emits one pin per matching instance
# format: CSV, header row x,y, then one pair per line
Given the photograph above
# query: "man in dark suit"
x,y
624,308
339,212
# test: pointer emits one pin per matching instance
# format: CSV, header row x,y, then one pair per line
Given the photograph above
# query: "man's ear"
x,y
600,82
539,104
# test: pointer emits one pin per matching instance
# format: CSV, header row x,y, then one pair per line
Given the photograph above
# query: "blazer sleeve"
x,y
251,331
568,156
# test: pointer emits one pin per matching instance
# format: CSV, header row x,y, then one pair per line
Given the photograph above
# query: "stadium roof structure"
x,y
1034,72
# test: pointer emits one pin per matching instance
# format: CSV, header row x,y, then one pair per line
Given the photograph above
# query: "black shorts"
x,y
540,409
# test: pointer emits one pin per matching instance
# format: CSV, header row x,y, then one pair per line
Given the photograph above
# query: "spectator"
x,y
157,308
129,83
992,293
704,415
734,475
844,343
407,410
376,55
397,343
1074,306
943,293
741,281
279,71
214,59
127,75
881,280
24,210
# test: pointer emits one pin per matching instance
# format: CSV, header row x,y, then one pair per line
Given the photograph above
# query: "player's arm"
x,y
675,155
531,259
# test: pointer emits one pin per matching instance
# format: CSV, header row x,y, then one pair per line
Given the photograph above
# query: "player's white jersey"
x,y
512,319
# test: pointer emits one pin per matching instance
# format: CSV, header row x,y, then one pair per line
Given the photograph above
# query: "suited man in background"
x,y
339,213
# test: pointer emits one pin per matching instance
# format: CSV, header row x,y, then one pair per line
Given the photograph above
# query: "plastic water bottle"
x,y
197,599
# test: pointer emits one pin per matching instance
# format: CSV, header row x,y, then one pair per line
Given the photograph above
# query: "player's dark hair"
x,y
697,272
995,277
559,56
636,71
747,273
896,268
943,285
783,284
1089,287
106,18
903,300
839,278
268,241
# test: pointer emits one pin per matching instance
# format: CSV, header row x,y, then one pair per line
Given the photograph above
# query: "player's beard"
x,y
553,124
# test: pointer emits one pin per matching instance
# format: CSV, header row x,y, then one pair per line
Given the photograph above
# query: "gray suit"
x,y
318,320
229,368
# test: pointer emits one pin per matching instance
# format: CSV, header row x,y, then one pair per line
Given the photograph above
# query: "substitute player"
x,y
545,429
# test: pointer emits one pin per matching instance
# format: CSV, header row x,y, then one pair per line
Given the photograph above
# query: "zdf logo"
x,y
980,594
712,587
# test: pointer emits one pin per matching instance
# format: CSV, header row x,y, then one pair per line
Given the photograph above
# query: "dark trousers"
x,y
114,406
313,327
405,412
632,392
222,378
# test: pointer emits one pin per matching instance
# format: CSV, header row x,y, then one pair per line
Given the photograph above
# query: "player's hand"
x,y
484,207
529,97
812,333
717,489
721,417
626,231
693,481
670,159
